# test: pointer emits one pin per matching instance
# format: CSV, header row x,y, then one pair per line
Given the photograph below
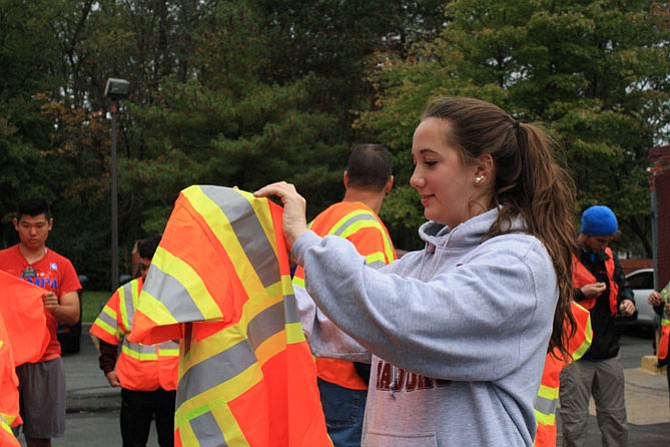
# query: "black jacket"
x,y
605,343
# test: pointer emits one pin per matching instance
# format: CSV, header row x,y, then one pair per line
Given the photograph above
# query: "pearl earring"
x,y
479,179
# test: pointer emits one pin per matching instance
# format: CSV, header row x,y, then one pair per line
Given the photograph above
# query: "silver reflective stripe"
x,y
168,345
109,320
291,309
351,221
266,324
248,231
545,406
173,295
140,349
207,431
216,370
128,302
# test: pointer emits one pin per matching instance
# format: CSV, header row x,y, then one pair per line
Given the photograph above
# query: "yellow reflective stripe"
x,y
581,350
7,418
4,421
547,392
376,257
184,273
270,346
298,281
545,419
212,212
361,224
294,333
345,220
168,352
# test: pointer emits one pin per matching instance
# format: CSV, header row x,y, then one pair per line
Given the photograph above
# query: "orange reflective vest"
x,y
22,308
664,338
581,276
139,367
547,396
9,382
220,282
359,224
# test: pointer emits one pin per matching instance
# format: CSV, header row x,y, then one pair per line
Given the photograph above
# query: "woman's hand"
x,y
294,222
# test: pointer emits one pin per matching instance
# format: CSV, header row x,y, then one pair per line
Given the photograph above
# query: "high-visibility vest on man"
x,y
220,282
360,225
581,276
547,396
139,367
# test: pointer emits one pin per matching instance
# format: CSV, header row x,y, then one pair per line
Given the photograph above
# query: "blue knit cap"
x,y
599,220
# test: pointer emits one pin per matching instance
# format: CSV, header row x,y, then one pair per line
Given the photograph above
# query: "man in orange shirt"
x,y
343,385
42,384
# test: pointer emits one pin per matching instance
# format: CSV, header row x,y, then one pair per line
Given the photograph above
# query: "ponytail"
x,y
529,183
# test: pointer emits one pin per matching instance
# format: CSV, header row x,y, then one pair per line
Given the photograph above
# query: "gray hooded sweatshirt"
x,y
458,332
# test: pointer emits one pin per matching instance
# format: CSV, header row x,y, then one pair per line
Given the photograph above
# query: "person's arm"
x,y
107,362
654,300
625,297
490,309
479,320
326,339
65,309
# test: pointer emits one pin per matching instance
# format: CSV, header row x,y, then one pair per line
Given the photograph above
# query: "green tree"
x,y
595,73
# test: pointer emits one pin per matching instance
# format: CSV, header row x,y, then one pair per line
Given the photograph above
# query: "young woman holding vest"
x,y
458,331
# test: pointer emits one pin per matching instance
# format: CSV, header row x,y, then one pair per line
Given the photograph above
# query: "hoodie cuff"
x,y
302,244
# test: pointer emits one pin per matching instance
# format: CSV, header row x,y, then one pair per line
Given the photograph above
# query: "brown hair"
x,y
528,183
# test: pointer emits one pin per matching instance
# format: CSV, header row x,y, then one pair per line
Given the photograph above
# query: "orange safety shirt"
x,y
581,276
139,367
547,396
359,224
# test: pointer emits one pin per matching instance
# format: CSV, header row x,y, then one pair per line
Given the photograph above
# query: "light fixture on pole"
x,y
115,89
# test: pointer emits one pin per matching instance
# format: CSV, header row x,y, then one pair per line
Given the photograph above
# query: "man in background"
x,y
147,374
343,385
42,384
601,287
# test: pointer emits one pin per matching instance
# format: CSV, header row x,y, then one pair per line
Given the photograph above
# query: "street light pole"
x,y
115,89
115,205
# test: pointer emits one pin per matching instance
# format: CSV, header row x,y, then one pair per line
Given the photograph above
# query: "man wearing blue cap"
x,y
601,287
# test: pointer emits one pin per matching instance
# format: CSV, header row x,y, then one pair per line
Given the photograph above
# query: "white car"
x,y
642,283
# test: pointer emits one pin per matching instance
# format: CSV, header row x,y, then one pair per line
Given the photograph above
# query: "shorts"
x,y
42,398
